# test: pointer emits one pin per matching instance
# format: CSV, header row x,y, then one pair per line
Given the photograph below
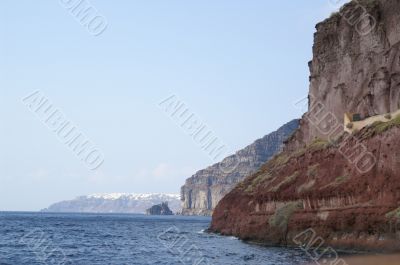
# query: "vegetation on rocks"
x,y
356,184
380,127
339,180
287,180
312,170
282,215
257,180
394,214
316,145
306,186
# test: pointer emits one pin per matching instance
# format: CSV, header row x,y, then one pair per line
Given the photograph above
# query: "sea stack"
x,y
159,209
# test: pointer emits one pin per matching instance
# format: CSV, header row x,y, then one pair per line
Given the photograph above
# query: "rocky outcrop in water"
x,y
339,189
159,209
202,192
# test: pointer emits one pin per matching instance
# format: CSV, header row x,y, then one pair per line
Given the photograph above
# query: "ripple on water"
x,y
130,239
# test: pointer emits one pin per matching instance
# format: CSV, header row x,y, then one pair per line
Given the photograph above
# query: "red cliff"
x,y
345,187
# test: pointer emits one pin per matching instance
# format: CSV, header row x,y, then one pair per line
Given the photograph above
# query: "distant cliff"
x,y
202,192
327,185
116,203
159,209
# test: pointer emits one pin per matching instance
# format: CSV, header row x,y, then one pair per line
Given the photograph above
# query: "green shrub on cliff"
x,y
282,215
316,145
257,180
312,170
339,180
287,180
380,127
306,186
394,214
279,160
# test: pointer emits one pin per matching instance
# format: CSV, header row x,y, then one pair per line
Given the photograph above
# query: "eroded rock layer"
x,y
317,187
202,192
344,188
352,70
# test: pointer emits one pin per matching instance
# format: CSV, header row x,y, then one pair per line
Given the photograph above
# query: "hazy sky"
x,y
238,65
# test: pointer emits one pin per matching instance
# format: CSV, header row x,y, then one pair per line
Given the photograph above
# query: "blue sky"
x,y
238,65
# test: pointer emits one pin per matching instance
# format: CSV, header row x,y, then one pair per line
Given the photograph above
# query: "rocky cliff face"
x,y
202,192
317,188
343,189
353,70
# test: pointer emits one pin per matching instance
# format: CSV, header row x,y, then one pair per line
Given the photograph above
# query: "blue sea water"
x,y
46,238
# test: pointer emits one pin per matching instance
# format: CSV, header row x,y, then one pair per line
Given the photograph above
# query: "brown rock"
x,y
202,192
317,188
353,72
345,188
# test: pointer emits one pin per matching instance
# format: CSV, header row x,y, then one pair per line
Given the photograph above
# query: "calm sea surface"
x,y
44,238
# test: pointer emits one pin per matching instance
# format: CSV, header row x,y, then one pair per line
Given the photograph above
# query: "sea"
x,y
105,239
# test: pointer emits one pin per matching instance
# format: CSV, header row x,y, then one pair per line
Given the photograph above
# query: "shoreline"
x,y
341,251
393,259
351,257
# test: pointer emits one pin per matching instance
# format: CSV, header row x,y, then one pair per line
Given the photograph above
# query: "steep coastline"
x,y
345,187
202,192
317,188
